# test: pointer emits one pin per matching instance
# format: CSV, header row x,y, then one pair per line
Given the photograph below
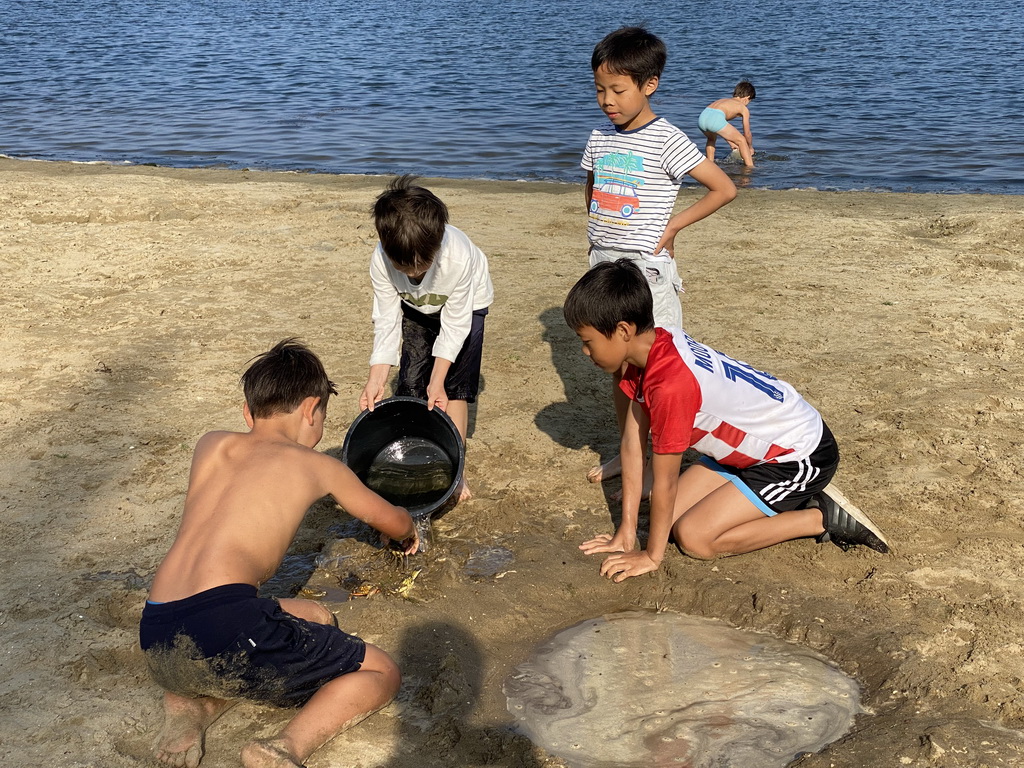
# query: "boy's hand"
x,y
667,242
371,395
620,567
605,543
436,396
409,545
373,392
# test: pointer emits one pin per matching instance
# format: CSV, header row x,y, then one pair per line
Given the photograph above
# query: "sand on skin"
x,y
134,296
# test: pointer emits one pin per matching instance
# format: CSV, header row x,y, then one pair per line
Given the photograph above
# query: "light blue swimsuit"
x,y
712,120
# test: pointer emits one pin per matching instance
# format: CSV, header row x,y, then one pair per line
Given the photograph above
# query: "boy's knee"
x,y
310,610
694,546
326,615
380,662
698,553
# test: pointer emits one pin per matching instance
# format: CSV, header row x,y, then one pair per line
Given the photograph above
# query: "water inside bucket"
x,y
410,472
642,689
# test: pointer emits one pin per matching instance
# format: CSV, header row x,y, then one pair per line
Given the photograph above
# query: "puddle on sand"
x,y
410,472
293,572
488,562
642,689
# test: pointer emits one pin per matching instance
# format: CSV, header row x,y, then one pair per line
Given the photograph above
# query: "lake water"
x,y
921,95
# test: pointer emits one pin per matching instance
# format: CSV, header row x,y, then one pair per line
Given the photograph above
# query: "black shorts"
x,y
419,332
780,486
228,643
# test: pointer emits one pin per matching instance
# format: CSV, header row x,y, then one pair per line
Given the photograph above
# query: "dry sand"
x,y
133,298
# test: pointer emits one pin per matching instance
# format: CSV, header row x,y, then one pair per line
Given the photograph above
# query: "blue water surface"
x,y
919,96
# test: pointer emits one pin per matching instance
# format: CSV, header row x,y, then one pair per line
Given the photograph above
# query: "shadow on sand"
x,y
442,667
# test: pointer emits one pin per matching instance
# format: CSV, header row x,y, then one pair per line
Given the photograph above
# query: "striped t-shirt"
x,y
636,178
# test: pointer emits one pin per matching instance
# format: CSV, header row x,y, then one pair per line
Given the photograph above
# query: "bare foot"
x,y
464,493
268,754
180,741
608,470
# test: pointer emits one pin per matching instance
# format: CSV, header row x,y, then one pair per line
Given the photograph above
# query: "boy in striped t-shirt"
x,y
767,456
634,166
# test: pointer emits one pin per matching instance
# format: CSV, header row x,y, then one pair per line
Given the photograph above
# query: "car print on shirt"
x,y
615,197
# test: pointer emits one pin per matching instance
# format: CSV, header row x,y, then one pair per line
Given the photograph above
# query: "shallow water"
x,y
488,562
411,472
851,93
638,689
294,571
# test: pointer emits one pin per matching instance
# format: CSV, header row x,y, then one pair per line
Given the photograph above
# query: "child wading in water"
x,y
208,639
714,122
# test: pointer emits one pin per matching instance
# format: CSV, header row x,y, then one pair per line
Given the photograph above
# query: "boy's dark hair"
x,y
631,51
279,380
744,88
410,222
608,294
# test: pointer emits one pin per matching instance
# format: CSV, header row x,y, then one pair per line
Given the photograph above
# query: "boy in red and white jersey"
x,y
767,455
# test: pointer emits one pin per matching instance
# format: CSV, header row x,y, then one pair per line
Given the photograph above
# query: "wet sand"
x,y
133,298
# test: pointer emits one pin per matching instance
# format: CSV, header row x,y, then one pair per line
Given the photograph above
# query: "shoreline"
x,y
314,173
135,295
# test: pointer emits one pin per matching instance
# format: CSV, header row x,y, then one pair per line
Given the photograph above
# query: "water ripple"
x,y
852,93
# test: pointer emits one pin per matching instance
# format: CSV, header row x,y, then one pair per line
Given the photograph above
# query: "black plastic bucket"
x,y
412,457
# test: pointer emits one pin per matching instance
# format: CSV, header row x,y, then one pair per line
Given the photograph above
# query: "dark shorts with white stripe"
x,y
780,486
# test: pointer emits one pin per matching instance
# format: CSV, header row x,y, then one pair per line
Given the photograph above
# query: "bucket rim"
x,y
444,501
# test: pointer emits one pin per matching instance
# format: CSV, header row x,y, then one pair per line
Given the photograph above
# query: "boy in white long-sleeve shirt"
x,y
431,291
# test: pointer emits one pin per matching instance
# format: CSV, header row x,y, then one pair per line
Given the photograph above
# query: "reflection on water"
x,y
641,689
410,472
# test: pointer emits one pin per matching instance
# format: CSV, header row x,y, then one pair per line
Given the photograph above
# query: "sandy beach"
x,y
133,298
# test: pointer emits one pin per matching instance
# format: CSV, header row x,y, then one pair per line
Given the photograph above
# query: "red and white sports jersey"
x,y
697,397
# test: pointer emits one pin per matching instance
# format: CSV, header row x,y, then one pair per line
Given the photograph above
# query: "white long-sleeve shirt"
x,y
457,284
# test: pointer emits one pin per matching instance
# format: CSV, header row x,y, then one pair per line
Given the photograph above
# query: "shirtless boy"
x,y
714,121
209,641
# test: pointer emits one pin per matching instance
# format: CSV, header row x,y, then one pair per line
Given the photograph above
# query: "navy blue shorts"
x,y
419,332
228,643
